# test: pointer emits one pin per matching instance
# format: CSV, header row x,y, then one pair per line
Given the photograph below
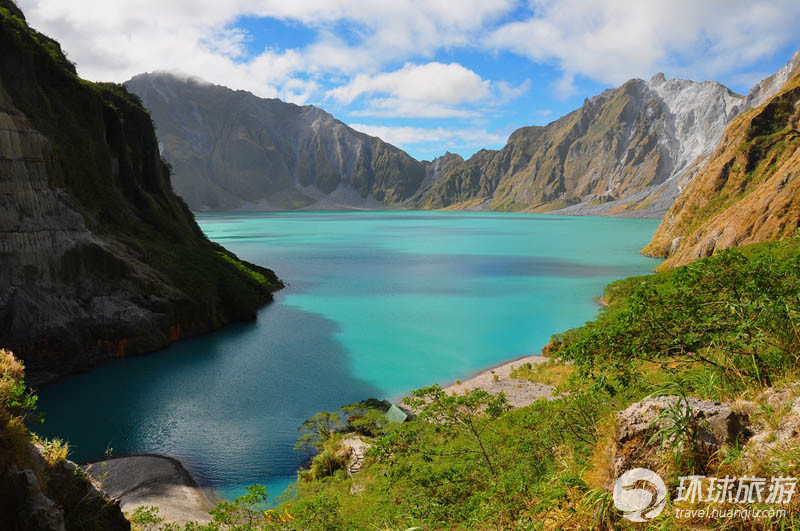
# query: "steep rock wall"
x,y
233,150
100,258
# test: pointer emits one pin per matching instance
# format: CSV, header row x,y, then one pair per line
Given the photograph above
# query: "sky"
x,y
431,75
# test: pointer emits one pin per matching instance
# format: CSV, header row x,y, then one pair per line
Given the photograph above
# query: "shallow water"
x,y
378,303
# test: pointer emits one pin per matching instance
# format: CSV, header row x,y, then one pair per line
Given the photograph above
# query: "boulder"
x,y
714,423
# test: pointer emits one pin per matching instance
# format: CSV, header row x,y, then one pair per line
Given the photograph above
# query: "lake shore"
x,y
497,378
152,479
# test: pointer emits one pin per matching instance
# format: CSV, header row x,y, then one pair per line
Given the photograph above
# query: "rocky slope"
x,y
625,152
629,151
100,258
232,150
748,191
770,86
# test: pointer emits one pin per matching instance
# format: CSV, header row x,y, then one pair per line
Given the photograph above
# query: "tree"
x,y
470,414
734,313
367,417
245,512
317,430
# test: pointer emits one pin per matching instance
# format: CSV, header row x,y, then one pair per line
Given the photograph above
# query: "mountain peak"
x,y
770,86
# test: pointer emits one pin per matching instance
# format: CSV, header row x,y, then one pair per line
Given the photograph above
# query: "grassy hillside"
x,y
724,328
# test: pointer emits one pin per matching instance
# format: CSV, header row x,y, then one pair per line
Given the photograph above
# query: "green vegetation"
x,y
249,270
722,328
551,372
735,314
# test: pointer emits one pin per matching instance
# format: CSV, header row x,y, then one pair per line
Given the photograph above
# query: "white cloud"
x,y
114,40
507,92
403,108
565,85
614,40
609,40
227,41
431,82
357,69
432,90
458,138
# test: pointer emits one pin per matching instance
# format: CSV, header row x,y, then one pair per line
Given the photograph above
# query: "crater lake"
x,y
376,304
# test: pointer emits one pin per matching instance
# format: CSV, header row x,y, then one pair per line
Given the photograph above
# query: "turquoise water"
x,y
377,303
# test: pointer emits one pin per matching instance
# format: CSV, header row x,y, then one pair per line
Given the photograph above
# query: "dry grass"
x,y
550,372
599,473
10,366
53,450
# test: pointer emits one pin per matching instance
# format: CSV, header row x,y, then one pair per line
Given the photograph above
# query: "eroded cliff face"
x,y
749,190
232,150
99,257
624,152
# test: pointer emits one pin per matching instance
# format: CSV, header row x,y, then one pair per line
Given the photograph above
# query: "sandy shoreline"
x,y
498,379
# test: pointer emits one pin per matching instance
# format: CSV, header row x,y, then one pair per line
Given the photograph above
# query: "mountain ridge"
x,y
747,191
273,154
626,152
610,156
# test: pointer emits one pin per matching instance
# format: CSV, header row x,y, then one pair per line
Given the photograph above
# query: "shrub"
x,y
735,314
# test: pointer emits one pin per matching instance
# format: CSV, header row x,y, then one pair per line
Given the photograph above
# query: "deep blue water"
x,y
378,303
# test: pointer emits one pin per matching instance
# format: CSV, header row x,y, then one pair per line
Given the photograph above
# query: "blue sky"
x,y
429,76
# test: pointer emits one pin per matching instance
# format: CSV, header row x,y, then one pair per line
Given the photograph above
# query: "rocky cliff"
x,y
625,152
748,191
99,257
232,150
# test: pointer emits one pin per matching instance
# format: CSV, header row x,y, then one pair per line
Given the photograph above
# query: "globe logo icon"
x,y
640,494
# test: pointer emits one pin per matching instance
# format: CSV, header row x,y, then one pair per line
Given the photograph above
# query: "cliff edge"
x,y
100,257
